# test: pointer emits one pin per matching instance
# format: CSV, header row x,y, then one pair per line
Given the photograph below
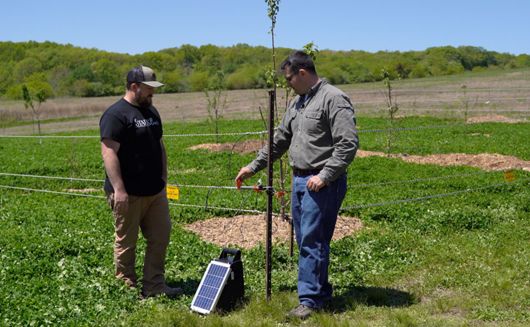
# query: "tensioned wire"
x,y
428,197
238,134
227,187
103,197
232,187
208,207
165,135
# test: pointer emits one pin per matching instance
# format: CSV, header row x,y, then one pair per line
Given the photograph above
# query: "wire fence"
x,y
231,187
402,129
209,188
208,206
242,210
165,135
427,197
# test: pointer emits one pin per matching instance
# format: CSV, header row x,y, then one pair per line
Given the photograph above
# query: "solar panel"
x,y
211,287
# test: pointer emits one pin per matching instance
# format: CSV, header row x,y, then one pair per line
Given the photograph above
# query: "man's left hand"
x,y
315,183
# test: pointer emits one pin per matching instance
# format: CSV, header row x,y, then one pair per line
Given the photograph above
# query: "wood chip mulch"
x,y
494,119
485,161
248,146
247,231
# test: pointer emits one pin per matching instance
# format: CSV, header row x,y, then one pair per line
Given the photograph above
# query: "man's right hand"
x,y
109,152
121,201
244,173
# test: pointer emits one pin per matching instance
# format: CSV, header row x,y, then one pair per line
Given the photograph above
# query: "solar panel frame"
x,y
211,287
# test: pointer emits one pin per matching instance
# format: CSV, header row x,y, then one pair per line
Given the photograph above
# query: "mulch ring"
x,y
247,231
493,119
485,161
244,147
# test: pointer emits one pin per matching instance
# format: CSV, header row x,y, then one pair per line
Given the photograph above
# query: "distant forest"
x,y
66,70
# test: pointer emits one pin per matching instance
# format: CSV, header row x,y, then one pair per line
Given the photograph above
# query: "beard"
x,y
143,101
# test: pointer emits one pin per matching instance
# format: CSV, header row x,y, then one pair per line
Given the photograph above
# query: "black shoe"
x,y
170,292
301,312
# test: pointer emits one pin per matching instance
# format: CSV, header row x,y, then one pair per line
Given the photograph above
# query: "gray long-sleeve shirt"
x,y
319,131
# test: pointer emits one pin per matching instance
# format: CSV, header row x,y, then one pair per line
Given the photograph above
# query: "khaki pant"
x,y
151,215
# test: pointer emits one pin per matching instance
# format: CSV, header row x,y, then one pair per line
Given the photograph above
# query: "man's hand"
x,y
243,174
121,202
109,152
315,183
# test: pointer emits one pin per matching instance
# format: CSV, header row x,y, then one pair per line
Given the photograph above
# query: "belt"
x,y
305,172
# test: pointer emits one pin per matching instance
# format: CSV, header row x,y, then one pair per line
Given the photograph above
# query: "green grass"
x,y
460,260
6,123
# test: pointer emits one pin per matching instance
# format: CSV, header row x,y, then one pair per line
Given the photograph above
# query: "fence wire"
x,y
427,197
402,129
228,187
348,208
207,206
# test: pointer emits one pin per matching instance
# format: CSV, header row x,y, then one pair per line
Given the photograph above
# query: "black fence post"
x,y
270,194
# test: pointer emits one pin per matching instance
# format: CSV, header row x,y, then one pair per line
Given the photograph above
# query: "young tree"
x,y
312,50
272,80
213,94
273,8
392,108
40,92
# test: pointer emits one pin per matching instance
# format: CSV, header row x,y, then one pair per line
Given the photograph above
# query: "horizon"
x,y
267,47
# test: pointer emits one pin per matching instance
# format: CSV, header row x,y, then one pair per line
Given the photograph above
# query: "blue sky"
x,y
139,26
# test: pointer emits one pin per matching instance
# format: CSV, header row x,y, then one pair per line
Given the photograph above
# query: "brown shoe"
x,y
301,312
170,292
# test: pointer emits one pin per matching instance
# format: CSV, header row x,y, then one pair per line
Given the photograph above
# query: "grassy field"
x,y
456,260
460,258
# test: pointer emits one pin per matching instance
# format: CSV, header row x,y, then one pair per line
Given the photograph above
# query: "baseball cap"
x,y
143,74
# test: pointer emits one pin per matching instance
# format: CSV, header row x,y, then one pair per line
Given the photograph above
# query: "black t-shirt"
x,y
138,131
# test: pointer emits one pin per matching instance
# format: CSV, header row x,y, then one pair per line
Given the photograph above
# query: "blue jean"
x,y
314,217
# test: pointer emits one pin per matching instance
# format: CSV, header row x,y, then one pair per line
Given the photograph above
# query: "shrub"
x,y
454,67
14,92
334,74
174,82
419,70
25,68
243,78
98,89
198,81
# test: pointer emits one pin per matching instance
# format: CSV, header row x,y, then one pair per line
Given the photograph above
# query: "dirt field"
x,y
505,94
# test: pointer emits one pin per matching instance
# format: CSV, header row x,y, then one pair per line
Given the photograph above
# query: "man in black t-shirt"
x,y
136,175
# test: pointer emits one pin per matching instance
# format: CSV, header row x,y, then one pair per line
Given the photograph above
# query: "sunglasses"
x,y
288,78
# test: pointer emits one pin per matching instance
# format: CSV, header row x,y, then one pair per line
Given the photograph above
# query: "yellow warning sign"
x,y
173,192
509,176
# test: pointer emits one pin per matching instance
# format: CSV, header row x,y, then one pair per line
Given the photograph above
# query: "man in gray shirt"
x,y
319,131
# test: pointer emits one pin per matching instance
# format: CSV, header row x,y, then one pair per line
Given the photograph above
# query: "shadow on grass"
x,y
371,296
189,286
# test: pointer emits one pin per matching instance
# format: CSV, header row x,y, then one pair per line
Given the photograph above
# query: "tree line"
x,y
65,70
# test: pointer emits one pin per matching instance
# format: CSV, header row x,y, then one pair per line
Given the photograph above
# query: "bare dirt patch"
x,y
249,146
247,231
485,161
493,119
